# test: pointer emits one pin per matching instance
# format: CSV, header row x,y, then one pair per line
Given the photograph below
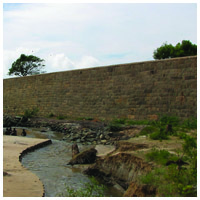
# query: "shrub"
x,y
61,117
116,124
182,135
189,146
148,130
173,120
190,123
159,135
114,127
51,115
31,113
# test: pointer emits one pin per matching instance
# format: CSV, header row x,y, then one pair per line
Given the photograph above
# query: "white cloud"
x,y
87,35
87,61
60,62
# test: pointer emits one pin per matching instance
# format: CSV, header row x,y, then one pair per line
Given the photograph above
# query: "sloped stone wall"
x,y
135,90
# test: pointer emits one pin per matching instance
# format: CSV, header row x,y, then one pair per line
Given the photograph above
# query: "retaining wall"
x,y
134,90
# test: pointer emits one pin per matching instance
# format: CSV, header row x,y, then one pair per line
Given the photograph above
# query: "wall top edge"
x,y
107,66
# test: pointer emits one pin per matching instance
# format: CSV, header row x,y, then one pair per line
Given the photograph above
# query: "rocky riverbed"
x,y
84,132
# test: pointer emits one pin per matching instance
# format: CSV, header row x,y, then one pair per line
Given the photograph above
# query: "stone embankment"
x,y
17,180
84,132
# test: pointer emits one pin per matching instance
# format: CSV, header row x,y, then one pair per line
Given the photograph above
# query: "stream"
x,y
50,165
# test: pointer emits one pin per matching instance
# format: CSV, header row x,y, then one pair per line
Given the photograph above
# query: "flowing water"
x,y
50,165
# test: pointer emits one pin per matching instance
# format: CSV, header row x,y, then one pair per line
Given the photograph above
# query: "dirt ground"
x,y
17,180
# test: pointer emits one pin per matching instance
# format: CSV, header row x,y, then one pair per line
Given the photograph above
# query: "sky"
x,y
72,36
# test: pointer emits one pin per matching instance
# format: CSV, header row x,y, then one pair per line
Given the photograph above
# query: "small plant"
x,y
114,127
138,122
31,113
148,130
61,117
159,135
173,120
166,126
51,115
119,121
189,146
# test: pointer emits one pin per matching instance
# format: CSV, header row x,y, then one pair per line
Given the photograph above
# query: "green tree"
x,y
185,48
27,65
165,51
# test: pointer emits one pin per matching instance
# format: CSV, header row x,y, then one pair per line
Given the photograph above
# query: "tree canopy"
x,y
27,65
185,48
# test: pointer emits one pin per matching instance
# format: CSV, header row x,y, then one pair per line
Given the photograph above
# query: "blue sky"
x,y
74,36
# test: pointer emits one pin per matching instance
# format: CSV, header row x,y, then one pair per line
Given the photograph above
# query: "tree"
x,y
27,65
186,48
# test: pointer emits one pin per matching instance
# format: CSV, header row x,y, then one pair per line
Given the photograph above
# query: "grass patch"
x,y
160,156
118,124
170,180
90,189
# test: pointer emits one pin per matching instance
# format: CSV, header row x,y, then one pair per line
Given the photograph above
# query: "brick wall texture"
x,y
137,91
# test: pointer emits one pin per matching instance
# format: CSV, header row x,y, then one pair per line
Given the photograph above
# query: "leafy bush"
x,y
166,125
51,115
173,120
61,117
190,123
190,145
159,135
31,113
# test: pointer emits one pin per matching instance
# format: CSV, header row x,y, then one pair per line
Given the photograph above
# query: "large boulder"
x,y
85,157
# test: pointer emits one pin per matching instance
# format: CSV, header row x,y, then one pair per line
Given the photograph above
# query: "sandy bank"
x,y
17,180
